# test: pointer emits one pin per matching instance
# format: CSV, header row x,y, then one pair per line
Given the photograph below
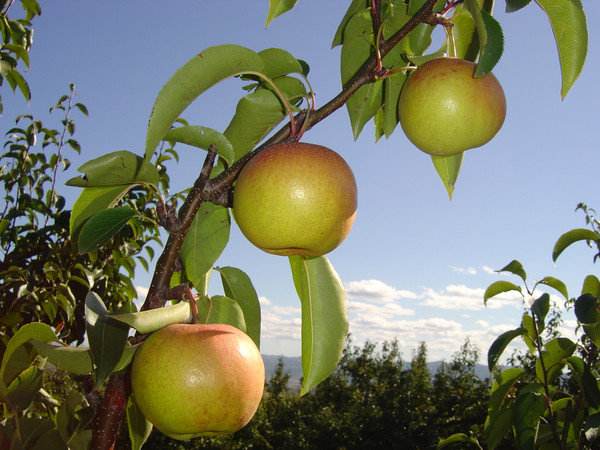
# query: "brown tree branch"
x,y
217,191
108,418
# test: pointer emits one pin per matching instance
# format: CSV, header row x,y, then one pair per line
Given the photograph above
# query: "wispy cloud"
x,y
461,297
464,270
488,270
376,290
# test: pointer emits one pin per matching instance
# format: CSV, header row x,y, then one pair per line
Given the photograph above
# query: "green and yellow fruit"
x,y
198,380
295,199
445,110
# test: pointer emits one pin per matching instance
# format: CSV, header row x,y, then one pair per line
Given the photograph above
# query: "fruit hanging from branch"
x,y
444,109
198,380
295,199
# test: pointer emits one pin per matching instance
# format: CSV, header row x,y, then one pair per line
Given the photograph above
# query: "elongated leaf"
x,y
355,7
139,428
448,168
591,285
23,389
494,46
590,387
277,8
465,38
572,236
278,62
238,286
154,319
101,227
529,408
498,287
502,385
75,360
586,309
475,10
530,337
107,337
221,309
516,268
35,330
392,86
500,344
515,5
16,79
458,438
540,309
497,426
555,355
92,201
570,32
324,321
202,137
196,76
115,169
557,284
256,115
205,241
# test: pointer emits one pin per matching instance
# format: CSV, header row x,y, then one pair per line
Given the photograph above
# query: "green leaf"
x,y
498,287
15,78
555,355
516,268
540,309
591,285
152,320
115,169
202,137
324,321
355,7
256,115
23,388
278,62
448,168
92,201
529,408
205,241
101,227
35,330
357,48
196,76
530,337
497,426
590,387
515,5
221,309
557,284
494,45
107,337
570,32
465,39
277,8
392,86
502,385
458,438
500,344
572,236
238,286
75,360
587,309
139,428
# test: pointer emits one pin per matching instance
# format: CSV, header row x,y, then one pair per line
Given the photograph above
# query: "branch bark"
x,y
216,190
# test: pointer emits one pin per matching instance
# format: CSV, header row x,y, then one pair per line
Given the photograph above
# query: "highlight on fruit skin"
x,y
444,110
295,199
193,380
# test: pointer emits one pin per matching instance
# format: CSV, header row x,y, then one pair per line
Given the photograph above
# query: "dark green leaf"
x,y
448,168
555,355
278,62
23,389
500,344
115,169
238,286
529,408
139,428
199,74
324,321
355,7
202,137
497,426
515,5
81,107
591,285
516,268
75,360
540,309
557,284
277,8
205,241
572,236
107,337
101,227
221,309
570,32
494,46
498,287
92,201
531,336
587,309
458,438
590,387
591,428
502,385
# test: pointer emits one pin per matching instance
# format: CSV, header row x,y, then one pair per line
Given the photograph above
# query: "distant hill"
x,y
293,366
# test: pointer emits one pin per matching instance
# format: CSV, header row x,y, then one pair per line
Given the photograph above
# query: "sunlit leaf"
x,y
448,168
324,321
500,344
202,137
139,428
516,268
277,8
557,284
591,285
355,7
494,46
572,236
278,62
221,309
540,309
498,287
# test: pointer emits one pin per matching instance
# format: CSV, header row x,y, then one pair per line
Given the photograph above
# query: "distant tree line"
x,y
373,401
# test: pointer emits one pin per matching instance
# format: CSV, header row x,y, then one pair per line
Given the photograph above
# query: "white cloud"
x,y
488,270
142,291
459,296
376,290
264,301
464,270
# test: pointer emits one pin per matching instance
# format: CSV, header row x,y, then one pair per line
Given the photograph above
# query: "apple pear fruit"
x,y
445,110
295,199
194,380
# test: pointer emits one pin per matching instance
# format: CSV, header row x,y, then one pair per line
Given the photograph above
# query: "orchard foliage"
x,y
124,199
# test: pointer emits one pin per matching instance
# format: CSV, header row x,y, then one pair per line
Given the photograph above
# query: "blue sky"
x,y
415,264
